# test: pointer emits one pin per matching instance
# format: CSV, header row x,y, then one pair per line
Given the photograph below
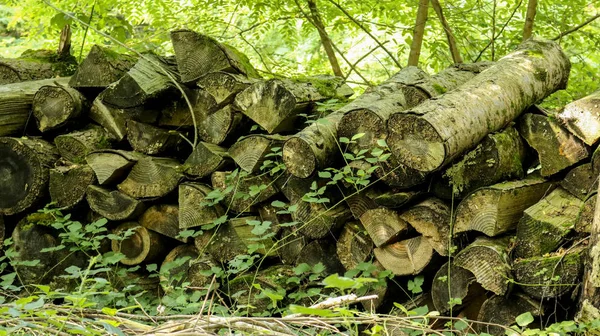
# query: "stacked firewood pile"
x,y
457,175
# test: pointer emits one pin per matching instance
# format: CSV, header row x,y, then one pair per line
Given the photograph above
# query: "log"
x,y
582,118
249,152
2,231
205,160
498,157
278,220
16,101
184,266
224,86
397,175
546,224
68,184
24,164
151,140
431,218
488,260
164,219
498,208
453,282
76,145
431,135
110,166
100,68
502,311
199,54
549,276
143,246
55,106
176,113
409,256
580,181
248,190
321,251
234,238
360,203
112,204
317,221
194,209
222,126
35,65
586,215
152,177
290,245
353,246
246,230
383,225
394,198
276,103
557,148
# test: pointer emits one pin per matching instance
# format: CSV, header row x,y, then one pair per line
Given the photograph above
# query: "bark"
x,y
152,140
164,219
431,135
582,118
142,246
243,198
151,177
276,103
529,19
353,246
35,65
251,151
198,54
405,257
24,163
325,40
498,208
16,102
456,58
75,146
194,208
418,32
501,310
111,166
586,215
205,160
173,273
554,216
100,68
557,148
431,218
113,204
383,225
580,181
55,106
68,184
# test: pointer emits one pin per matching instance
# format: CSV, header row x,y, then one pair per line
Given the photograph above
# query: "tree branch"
x,y
417,40
325,40
576,28
353,65
456,58
500,32
529,18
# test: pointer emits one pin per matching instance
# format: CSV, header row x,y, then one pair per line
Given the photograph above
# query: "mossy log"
x,y
383,225
184,265
269,213
431,135
113,204
321,251
233,238
294,188
317,221
557,148
549,276
498,157
586,215
453,282
205,160
394,198
110,166
143,83
223,125
224,86
55,106
199,54
580,181
406,257
498,208
76,145
290,245
397,175
431,218
582,118
546,224
194,209
36,65
249,152
100,68
164,219
276,103
248,190
488,260
143,246
500,310
353,245
360,203
24,165
16,102
68,184
152,140
152,177
245,229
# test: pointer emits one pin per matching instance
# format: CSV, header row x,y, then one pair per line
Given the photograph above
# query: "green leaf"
x,y
323,174
358,136
344,140
336,281
312,311
524,319
381,142
278,204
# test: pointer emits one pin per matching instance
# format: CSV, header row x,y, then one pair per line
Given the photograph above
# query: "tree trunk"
x,y
557,148
580,181
24,164
431,218
497,209
174,272
55,106
194,208
554,216
586,215
456,58
205,160
113,204
418,32
35,65
100,68
353,246
68,184
249,152
431,135
110,166
383,225
164,219
144,246
453,282
275,104
252,189
582,118
529,19
16,102
405,257
151,177
75,146
150,139
325,40
198,55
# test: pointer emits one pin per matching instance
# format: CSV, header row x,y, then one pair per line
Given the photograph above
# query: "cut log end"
x,y
405,257
142,246
415,142
299,158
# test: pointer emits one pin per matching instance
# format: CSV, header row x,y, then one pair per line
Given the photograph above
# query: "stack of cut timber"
x,y
457,176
